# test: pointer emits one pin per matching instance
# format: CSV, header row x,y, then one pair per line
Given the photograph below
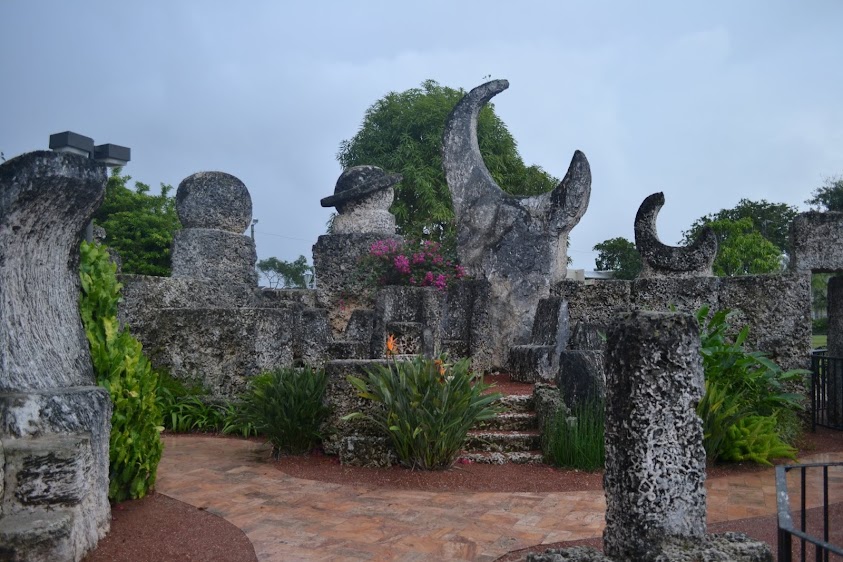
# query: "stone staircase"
x,y
511,436
538,361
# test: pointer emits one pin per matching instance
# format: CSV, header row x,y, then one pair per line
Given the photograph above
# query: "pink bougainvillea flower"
x,y
402,264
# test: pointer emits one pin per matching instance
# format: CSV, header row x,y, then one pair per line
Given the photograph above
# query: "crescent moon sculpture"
x,y
661,260
518,244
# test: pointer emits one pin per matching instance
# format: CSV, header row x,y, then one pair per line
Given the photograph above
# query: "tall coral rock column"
x,y
54,423
655,461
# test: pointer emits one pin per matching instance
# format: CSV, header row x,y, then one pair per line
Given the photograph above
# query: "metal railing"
x,y
820,546
826,391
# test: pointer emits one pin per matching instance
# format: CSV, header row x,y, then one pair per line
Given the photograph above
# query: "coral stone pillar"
x,y
46,199
655,461
54,421
835,349
215,209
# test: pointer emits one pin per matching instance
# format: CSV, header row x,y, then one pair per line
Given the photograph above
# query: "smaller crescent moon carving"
x,y
660,259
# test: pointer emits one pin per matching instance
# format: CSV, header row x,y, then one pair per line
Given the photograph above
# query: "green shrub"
x,y
233,422
121,368
188,408
740,385
193,413
427,408
285,405
819,326
575,439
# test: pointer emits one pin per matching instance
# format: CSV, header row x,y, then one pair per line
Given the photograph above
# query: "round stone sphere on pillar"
x,y
214,200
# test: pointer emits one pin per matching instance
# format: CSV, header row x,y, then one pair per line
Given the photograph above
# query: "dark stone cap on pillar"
x,y
357,182
69,141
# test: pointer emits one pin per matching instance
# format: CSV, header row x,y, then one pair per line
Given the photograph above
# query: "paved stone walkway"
x,y
289,518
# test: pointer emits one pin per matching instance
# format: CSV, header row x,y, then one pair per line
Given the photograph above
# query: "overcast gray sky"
x,y
709,102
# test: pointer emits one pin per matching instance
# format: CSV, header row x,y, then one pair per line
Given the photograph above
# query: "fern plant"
x,y
754,438
742,388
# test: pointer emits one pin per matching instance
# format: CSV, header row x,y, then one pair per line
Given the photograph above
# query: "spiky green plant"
x,y
576,439
286,406
427,407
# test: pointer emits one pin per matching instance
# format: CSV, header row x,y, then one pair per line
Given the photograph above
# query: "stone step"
x,y
502,441
520,457
517,402
37,536
47,470
348,349
509,421
533,363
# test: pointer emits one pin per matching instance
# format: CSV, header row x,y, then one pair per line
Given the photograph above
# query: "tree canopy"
x,y
402,133
284,274
751,236
139,226
829,196
743,250
618,255
771,220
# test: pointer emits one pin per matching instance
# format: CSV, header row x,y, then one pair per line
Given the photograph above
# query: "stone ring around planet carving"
x,y
357,182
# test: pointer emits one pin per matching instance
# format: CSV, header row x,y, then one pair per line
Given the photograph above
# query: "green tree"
x,y
402,132
743,250
771,220
618,255
280,273
829,196
138,226
819,294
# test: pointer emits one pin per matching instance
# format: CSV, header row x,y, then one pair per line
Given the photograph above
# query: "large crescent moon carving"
x,y
469,180
461,156
696,258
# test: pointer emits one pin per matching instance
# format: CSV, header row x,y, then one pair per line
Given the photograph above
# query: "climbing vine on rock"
x,y
121,368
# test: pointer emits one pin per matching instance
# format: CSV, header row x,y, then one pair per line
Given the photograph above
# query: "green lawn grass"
x,y
819,340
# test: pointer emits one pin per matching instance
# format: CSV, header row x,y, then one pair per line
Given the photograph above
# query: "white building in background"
x,y
589,276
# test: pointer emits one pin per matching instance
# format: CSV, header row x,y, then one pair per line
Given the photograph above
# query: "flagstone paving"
x,y
289,518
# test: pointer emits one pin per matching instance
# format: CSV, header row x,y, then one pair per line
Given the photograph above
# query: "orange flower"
x,y
440,365
390,345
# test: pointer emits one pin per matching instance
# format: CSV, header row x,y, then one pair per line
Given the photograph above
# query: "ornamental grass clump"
x,y
191,409
575,439
410,263
426,407
285,405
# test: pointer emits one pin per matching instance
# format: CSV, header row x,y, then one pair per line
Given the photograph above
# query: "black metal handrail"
x,y
826,391
822,546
